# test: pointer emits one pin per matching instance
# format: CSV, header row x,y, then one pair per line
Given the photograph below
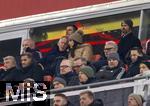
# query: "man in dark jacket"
x,y
134,60
9,70
67,73
52,61
128,40
30,69
110,47
87,99
28,46
114,69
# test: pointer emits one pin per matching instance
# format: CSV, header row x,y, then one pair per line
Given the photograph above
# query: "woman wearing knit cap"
x,y
86,75
77,48
135,100
128,39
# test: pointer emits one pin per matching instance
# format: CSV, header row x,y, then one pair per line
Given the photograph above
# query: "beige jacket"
x,y
83,50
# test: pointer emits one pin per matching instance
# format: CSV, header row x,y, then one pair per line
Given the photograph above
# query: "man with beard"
x,y
128,40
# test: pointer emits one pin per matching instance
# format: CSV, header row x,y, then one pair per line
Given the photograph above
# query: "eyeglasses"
x,y
108,48
64,66
77,66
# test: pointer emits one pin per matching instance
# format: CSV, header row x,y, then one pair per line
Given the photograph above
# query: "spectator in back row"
x,y
128,39
77,48
70,30
110,47
52,61
28,46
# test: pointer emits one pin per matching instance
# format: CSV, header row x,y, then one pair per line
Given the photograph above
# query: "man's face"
x,y
58,85
109,49
143,68
134,55
112,63
25,61
85,100
65,67
82,77
125,28
8,64
132,102
77,64
69,30
26,44
62,44
59,101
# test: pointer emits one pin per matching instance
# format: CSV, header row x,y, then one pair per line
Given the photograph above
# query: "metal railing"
x,y
94,87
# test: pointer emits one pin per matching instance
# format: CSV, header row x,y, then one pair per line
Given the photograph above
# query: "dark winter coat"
x,y
97,102
134,68
10,75
90,80
37,55
71,78
126,43
106,73
33,71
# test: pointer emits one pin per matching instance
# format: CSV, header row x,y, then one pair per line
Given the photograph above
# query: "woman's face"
x,y
143,68
71,43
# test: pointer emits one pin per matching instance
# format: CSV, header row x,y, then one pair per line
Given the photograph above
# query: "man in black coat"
x,y
128,40
9,71
30,69
67,73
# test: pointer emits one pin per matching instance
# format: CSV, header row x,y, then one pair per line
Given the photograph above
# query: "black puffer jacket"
x,y
97,102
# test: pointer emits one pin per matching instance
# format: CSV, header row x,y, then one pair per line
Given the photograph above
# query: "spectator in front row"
x,y
59,83
87,99
110,47
86,75
9,70
28,46
135,100
114,69
61,100
77,48
30,69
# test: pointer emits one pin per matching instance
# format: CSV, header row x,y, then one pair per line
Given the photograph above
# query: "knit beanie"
x,y
113,56
129,22
60,80
88,71
138,99
77,36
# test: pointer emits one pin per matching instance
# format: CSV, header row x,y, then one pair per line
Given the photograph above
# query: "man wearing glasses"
x,y
110,47
67,73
